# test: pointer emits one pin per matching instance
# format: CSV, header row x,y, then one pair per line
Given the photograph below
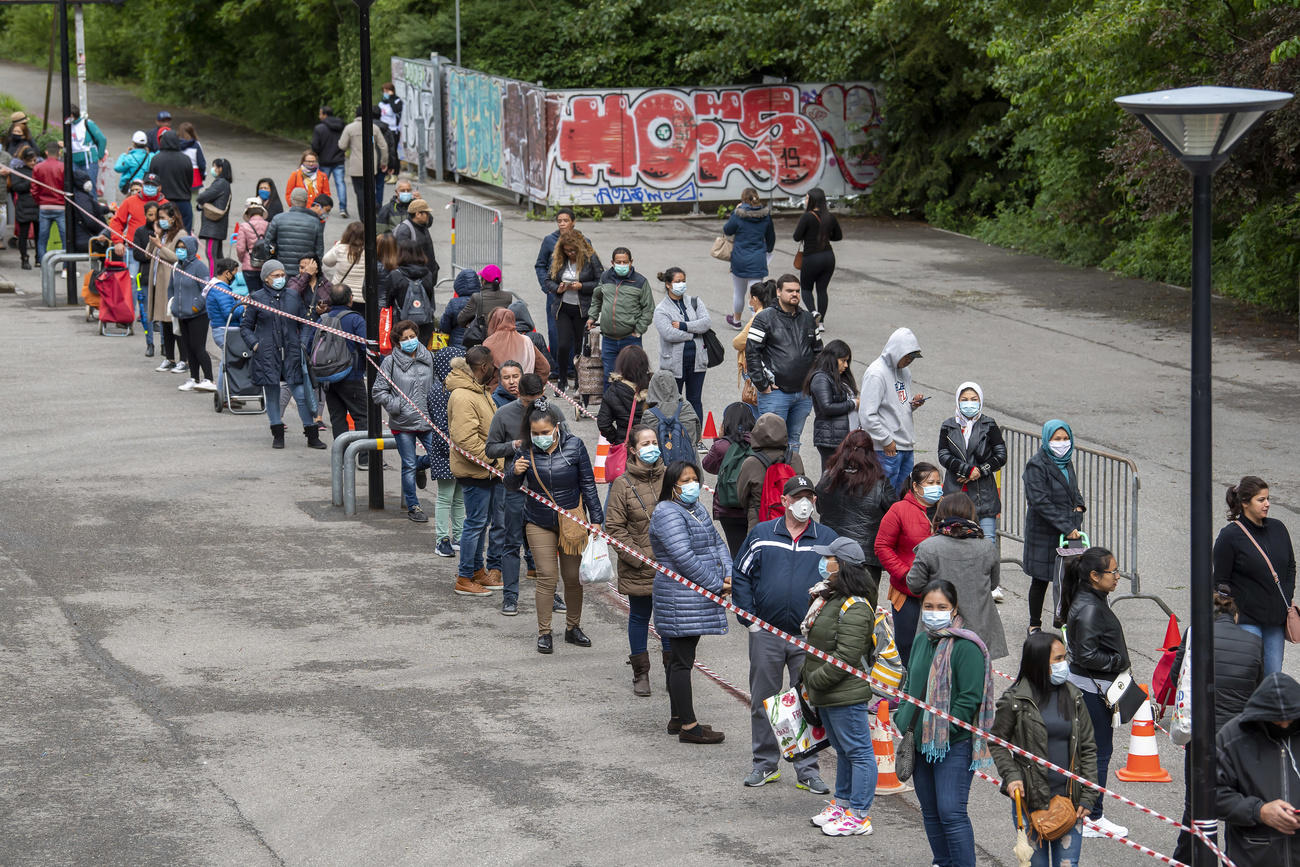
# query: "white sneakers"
x,y
1104,825
180,367
165,366
835,821
997,594
832,813
187,385
206,385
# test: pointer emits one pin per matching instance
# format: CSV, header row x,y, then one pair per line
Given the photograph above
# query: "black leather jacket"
x,y
832,403
566,473
857,517
986,450
781,348
1095,637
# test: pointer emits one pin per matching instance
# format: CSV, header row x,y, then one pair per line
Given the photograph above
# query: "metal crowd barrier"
x,y
1109,484
477,236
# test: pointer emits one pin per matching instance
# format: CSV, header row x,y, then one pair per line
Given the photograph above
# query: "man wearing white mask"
x,y
777,565
887,402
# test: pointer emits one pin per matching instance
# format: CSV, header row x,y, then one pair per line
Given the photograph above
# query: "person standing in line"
x,y
761,296
88,144
410,368
470,409
308,176
480,306
220,195
834,397
574,272
887,403
625,393
783,342
905,526
769,444
684,540
507,344
133,164
190,309
251,230
161,254
955,553
350,143
1044,714
737,423
394,212
682,321
296,234
632,498
345,263
193,151
276,342
555,465
27,213
949,670
325,144
841,622
663,403
19,135
1098,655
816,229
412,268
564,220
1253,556
415,228
1053,509
144,233
347,396
47,186
853,497
971,451
777,566
269,196
750,225
449,519
162,124
621,324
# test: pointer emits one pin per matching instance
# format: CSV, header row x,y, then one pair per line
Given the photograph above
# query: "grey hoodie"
x,y
886,409
663,396
189,282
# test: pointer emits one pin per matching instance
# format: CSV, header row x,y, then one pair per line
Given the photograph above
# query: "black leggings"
x,y
22,231
816,273
735,530
194,340
1037,592
170,340
568,337
681,659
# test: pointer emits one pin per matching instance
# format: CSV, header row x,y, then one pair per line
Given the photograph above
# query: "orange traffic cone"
x,y
602,452
710,429
882,743
1173,636
1143,755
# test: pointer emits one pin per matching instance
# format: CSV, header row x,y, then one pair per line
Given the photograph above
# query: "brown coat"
x,y
768,438
161,279
469,411
627,519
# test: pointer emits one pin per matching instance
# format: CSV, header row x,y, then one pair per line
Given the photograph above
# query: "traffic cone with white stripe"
x,y
1143,755
882,743
602,452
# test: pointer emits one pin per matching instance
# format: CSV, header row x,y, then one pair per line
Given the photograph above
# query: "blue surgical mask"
x,y
690,493
264,195
823,569
622,270
969,408
150,190
933,620
404,198
277,284
677,289
181,253
543,441
164,224
648,454
932,493
409,346
1060,672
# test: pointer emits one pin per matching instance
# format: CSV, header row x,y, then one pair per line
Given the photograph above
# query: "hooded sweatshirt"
x,y
662,395
189,281
325,142
886,409
470,409
174,170
769,440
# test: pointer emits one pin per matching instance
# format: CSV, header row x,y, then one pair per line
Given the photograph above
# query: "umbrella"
x,y
1023,850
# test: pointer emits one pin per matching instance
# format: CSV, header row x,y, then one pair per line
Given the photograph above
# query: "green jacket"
x,y
1019,721
847,637
967,685
622,306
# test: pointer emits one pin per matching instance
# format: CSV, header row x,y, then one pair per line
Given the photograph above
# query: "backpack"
x,y
261,252
774,479
674,444
331,355
416,307
727,496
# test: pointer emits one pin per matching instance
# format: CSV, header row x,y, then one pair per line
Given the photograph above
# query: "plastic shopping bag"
x,y
1180,730
796,736
596,567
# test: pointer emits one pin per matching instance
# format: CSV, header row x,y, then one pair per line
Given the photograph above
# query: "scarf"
x,y
966,425
1049,430
507,344
959,528
819,592
933,739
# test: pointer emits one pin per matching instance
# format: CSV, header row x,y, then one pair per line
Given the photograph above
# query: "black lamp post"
x,y
375,476
1201,126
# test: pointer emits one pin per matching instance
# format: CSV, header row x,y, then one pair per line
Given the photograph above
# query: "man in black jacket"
x,y
416,228
783,341
296,233
175,175
325,142
392,214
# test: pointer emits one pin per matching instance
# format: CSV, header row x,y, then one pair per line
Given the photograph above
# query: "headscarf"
x,y
966,425
933,738
506,343
1049,430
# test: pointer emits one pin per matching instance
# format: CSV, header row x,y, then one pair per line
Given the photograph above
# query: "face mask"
x,y
1060,448
309,170
969,408
648,454
409,346
164,224
182,254
690,493
150,190
277,283
388,97
824,570
932,493
622,270
264,195
933,620
678,289
405,197
213,171
1060,672
801,509
543,441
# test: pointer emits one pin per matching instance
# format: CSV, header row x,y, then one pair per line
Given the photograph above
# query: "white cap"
x,y
138,137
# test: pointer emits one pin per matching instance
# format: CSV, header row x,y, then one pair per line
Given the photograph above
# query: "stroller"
x,y
116,299
235,388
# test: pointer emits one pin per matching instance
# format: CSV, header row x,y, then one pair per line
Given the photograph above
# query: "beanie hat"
x,y
270,266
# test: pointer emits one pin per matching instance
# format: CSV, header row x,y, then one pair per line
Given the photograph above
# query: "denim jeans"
x,y
849,731
610,348
478,512
897,469
450,519
1105,735
507,538
692,385
337,175
186,210
274,415
43,231
1058,853
1274,638
943,788
990,528
794,408
638,625
406,441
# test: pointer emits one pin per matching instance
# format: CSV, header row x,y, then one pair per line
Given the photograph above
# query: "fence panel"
x,y
477,236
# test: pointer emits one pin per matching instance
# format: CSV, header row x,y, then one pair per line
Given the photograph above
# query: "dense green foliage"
x,y
999,115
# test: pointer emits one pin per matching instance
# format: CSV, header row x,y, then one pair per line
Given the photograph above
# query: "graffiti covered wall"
x,y
415,82
496,130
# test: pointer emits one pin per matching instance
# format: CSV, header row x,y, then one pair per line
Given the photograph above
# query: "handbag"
x,y
713,349
1054,822
798,257
1292,612
1180,729
573,536
616,460
722,248
1123,699
749,393
591,372
385,331
905,758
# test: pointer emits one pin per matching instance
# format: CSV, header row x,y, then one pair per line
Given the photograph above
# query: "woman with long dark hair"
x,y
853,496
270,197
627,388
906,525
762,295
221,196
737,421
345,263
412,264
816,229
1044,714
168,232
834,395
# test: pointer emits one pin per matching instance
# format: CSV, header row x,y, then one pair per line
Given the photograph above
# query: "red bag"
x,y
1164,682
774,479
116,294
385,331
616,460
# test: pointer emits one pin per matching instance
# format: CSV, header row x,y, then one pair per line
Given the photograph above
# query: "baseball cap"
x,y
138,137
416,206
164,115
151,178
490,274
797,485
844,549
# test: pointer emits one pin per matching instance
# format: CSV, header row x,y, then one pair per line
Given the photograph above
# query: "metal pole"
x,y
70,268
436,126
458,32
368,217
1202,780
79,19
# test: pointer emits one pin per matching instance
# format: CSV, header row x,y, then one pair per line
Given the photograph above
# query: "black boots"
x,y
27,263
312,433
640,663
277,436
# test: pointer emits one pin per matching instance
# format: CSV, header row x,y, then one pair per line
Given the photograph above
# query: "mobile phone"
x,y
926,399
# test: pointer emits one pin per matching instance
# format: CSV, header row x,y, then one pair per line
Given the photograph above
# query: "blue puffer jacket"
x,y
221,303
566,473
754,237
465,286
773,571
686,542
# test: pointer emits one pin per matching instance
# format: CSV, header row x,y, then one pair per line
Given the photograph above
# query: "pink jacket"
x,y
250,232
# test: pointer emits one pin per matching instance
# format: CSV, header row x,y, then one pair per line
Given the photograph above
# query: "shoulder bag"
x,y
722,248
1292,612
616,460
213,214
1123,699
1053,822
712,345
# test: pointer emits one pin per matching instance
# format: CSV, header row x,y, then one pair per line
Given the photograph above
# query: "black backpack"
x,y
331,355
417,307
261,252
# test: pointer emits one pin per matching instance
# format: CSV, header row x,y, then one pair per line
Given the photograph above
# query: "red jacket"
x,y
904,527
48,171
129,217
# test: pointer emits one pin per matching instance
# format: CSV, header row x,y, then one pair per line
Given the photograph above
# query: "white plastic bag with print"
x,y
1180,730
596,567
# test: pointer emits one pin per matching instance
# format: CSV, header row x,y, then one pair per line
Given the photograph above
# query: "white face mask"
x,y
1060,448
933,620
677,289
1060,672
801,509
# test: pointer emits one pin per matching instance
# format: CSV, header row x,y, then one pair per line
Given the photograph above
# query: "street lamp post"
x,y
375,474
1201,126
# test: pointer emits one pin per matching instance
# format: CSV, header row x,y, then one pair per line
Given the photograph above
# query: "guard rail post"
x,y
350,453
52,259
336,462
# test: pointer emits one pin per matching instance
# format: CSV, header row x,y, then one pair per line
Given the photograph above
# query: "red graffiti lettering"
x,y
665,130
600,135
